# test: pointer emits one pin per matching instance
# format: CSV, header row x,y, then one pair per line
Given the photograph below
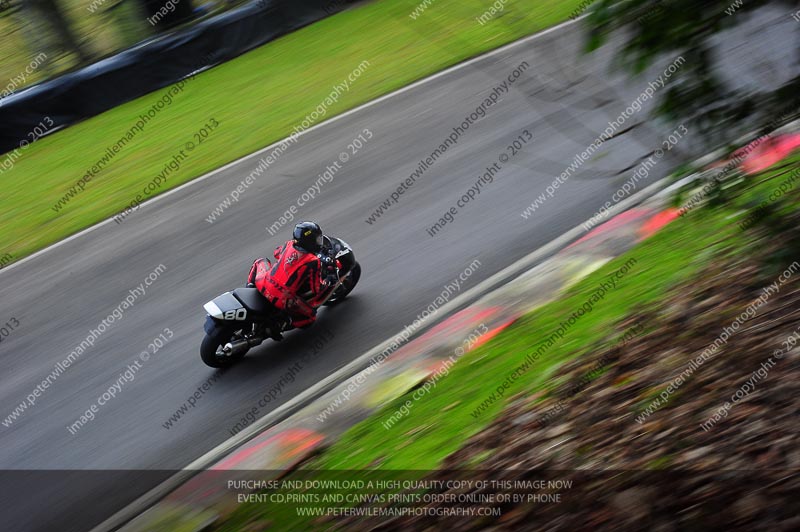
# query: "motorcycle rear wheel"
x,y
211,350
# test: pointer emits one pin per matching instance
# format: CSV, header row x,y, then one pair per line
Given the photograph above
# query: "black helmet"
x,y
308,236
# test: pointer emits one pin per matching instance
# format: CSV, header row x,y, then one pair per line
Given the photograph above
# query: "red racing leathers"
x,y
294,284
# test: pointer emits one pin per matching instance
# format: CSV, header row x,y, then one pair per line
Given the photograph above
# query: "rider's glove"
x,y
330,274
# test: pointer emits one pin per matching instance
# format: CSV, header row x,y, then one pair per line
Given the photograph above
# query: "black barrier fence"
x,y
154,64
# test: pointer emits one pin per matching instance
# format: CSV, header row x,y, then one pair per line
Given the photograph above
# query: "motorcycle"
x,y
242,319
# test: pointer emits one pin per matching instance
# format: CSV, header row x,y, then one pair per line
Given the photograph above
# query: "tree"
x,y
51,12
696,93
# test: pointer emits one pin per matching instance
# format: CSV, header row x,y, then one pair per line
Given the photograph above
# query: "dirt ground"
x,y
667,472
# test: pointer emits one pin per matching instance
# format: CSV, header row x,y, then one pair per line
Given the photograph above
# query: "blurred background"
x,y
94,67
74,33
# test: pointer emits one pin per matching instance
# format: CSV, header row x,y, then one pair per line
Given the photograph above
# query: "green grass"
x,y
671,257
257,98
441,421
662,263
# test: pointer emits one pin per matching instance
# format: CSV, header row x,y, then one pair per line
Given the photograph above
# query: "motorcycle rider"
x,y
302,277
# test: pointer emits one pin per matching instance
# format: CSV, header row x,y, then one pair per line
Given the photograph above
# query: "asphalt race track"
x,y
563,99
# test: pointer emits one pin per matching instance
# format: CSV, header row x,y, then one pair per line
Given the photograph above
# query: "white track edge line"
x,y
147,500
331,120
144,502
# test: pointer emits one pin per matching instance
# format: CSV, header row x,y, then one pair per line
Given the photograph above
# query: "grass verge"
x,y
257,99
443,420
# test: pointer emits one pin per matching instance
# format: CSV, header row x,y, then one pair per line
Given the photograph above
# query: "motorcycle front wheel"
x,y
347,286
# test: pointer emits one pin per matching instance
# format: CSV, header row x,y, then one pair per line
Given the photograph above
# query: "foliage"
x,y
657,28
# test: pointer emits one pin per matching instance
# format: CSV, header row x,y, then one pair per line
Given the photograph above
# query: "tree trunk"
x,y
53,15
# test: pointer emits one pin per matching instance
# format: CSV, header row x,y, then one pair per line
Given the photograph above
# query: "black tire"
x,y
211,344
346,287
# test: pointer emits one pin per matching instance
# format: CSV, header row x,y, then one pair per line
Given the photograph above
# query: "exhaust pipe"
x,y
239,346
